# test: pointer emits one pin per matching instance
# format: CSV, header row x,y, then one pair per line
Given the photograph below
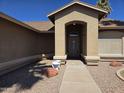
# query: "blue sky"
x,y
37,10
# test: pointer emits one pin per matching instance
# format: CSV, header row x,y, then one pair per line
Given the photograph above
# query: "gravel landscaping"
x,y
30,80
105,77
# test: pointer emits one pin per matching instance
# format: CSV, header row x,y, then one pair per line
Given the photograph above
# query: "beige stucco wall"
x,y
18,42
46,44
77,13
84,36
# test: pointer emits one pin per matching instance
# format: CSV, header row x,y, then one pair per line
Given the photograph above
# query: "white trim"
x,y
60,57
77,2
111,55
92,58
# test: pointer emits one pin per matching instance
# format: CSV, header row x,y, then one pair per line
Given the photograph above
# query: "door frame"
x,y
68,32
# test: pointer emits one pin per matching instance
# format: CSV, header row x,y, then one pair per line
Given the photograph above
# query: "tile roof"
x,y
107,23
41,25
6,17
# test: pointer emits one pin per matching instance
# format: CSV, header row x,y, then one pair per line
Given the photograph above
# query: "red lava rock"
x,y
50,72
115,63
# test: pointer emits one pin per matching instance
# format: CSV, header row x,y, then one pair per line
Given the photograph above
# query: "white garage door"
x,y
110,42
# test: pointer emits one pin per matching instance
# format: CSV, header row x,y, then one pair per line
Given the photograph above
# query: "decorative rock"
x,y
120,73
115,63
51,72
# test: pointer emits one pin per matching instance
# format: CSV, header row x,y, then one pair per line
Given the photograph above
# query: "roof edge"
x,y
3,15
77,2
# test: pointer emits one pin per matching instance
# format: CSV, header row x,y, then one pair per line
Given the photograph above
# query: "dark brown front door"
x,y
73,46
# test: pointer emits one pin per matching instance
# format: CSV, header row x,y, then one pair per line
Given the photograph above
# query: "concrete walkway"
x,y
77,79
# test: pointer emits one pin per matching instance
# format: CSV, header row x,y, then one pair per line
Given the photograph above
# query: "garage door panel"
x,y
110,45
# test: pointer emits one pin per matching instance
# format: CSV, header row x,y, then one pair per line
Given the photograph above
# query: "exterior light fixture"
x,y
74,23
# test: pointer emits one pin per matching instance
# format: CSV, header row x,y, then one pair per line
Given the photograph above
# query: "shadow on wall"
x,y
23,78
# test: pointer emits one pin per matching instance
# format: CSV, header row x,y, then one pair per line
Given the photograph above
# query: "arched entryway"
x,y
75,39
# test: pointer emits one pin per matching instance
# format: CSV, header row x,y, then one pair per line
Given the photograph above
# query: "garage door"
x,y
110,42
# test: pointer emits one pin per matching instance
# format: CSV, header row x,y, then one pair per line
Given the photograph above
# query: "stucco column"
x,y
123,46
59,41
92,57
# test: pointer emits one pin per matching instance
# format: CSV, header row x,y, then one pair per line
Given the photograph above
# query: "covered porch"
x,y
76,32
